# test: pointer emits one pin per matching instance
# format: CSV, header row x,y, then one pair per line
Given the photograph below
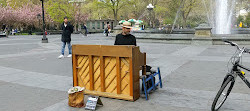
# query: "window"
x,y
88,24
98,25
103,25
93,25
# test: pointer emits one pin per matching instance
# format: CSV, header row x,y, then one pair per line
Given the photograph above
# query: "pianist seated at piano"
x,y
125,38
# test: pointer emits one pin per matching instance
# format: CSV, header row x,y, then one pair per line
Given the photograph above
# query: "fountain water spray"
x,y
224,14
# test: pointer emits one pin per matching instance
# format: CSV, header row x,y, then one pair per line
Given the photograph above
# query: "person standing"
x,y
67,29
85,30
125,38
107,30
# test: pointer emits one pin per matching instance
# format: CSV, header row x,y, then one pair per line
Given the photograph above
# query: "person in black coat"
x,y
67,29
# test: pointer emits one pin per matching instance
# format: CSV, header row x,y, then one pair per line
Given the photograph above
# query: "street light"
x,y
150,7
44,39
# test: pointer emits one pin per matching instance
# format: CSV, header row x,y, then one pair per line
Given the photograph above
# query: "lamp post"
x,y
44,39
150,7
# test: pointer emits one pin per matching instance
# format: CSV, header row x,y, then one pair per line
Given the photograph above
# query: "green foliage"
x,y
113,6
58,9
240,19
3,3
192,13
168,21
19,3
96,11
160,10
134,9
247,20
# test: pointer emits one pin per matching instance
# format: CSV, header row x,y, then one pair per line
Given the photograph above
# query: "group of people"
x,y
106,32
124,38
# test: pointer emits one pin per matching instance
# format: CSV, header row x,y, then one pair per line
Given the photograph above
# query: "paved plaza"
x,y
32,78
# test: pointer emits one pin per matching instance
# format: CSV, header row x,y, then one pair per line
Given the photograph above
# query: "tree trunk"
x,y
153,23
184,23
115,20
184,17
115,16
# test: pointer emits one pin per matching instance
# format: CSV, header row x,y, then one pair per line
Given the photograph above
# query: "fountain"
x,y
215,21
223,16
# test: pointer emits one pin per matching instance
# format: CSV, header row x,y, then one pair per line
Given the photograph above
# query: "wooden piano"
x,y
108,71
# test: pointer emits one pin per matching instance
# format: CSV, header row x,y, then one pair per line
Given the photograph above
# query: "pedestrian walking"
x,y
107,29
85,30
67,29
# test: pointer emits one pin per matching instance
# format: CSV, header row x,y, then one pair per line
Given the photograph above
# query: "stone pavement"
x,y
32,78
